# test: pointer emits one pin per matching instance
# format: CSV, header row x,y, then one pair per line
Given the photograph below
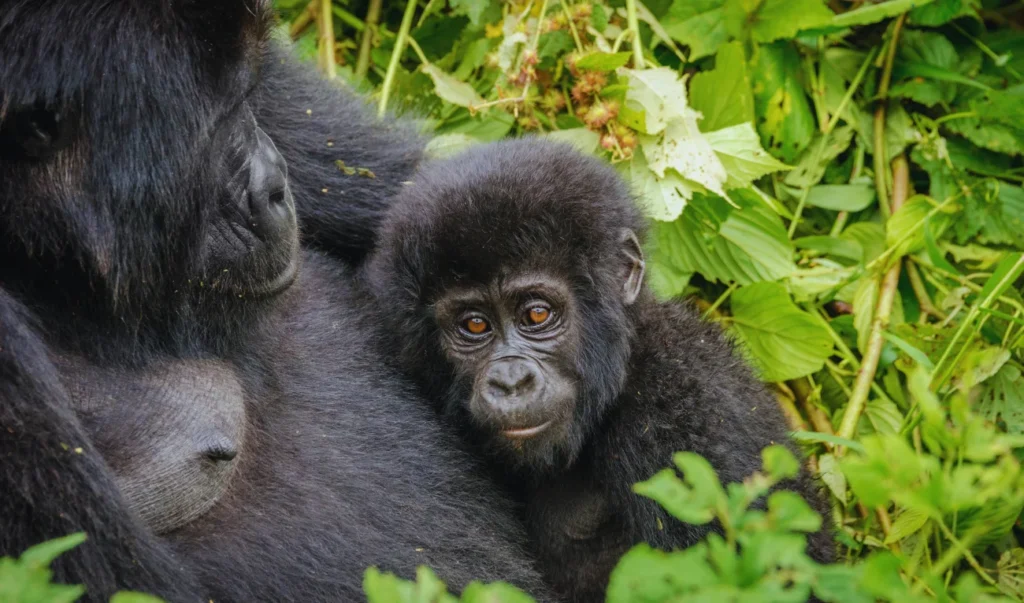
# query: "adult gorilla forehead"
x,y
54,52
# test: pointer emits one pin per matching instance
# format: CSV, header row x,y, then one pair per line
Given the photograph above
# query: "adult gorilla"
x,y
218,431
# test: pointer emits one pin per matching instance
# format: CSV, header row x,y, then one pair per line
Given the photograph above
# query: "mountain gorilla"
x,y
511,282
178,377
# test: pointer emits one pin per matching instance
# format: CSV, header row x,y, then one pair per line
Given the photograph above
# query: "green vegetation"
x,y
840,186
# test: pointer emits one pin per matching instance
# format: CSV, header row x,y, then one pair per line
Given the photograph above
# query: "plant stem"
x,y
325,19
634,28
883,100
883,311
372,17
304,19
923,299
721,299
396,57
572,26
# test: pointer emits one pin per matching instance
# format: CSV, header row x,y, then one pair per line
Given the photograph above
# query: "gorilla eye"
x,y
537,315
476,325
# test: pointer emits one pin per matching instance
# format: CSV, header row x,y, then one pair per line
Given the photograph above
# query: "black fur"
x,y
102,251
654,379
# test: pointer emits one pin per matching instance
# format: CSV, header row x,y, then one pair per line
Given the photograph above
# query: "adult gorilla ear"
x,y
632,257
33,132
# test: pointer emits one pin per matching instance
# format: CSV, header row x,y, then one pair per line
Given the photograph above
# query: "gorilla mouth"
x,y
281,282
525,433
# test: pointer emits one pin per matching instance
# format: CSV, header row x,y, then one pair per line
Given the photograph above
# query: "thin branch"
x,y
396,57
325,20
883,101
305,19
883,311
365,44
634,28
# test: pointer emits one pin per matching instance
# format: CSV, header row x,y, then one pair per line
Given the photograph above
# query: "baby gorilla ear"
x,y
632,257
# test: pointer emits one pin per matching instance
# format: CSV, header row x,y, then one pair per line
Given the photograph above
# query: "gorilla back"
x,y
148,216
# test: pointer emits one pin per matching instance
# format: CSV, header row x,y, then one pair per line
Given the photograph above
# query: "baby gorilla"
x,y
511,283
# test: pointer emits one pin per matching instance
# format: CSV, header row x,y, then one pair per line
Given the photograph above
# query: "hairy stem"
x,y
396,57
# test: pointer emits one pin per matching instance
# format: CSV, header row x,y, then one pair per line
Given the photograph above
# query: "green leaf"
x,y
739,149
784,119
832,246
474,9
554,44
1002,399
660,94
749,246
905,228
784,341
134,597
723,95
451,89
586,140
448,145
790,512
841,197
388,588
603,61
692,499
1006,273
684,149
938,13
43,554
906,524
662,198
873,13
497,592
832,475
811,166
779,463
698,24
770,20
645,574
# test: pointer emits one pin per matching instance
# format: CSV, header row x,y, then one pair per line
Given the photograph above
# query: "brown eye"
x,y
538,315
476,325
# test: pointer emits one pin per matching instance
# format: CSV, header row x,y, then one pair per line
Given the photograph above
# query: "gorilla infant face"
x,y
516,342
173,432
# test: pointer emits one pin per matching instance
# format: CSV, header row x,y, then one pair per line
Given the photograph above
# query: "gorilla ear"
x,y
34,133
633,266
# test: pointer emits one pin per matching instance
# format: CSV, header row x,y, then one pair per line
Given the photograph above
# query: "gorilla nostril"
x,y
219,454
277,197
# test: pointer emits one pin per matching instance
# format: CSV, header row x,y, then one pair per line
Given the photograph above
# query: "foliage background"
x,y
838,184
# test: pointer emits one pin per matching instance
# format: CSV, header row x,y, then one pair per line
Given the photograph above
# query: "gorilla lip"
x,y
523,433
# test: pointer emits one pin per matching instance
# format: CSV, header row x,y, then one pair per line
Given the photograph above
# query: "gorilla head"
x,y
131,158
517,266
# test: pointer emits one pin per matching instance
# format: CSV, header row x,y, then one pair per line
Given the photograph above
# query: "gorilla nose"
x,y
511,380
270,200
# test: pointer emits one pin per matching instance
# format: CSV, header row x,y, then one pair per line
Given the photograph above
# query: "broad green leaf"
x,y
1003,277
385,587
662,198
694,498
645,574
451,89
784,122
660,93
684,149
841,197
474,9
880,416
739,150
779,463
723,95
864,301
1002,399
906,524
790,512
940,12
784,341
134,597
603,61
698,24
873,13
1010,573
770,20
447,145
832,246
749,246
43,554
811,167
905,228
586,140
497,592
833,477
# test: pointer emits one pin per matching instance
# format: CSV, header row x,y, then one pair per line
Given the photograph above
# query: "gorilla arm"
x,y
54,483
344,164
